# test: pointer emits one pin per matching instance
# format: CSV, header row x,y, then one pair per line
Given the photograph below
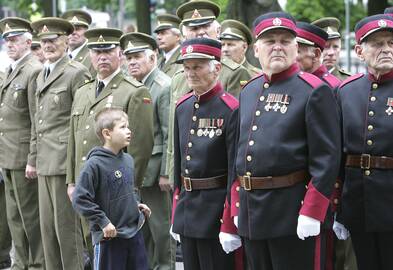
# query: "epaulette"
x,y
87,82
184,98
252,79
161,80
344,72
133,81
230,101
311,79
331,80
181,70
351,78
230,63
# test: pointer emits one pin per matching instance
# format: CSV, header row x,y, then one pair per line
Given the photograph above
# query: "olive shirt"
x,y
339,73
121,92
17,108
54,97
254,71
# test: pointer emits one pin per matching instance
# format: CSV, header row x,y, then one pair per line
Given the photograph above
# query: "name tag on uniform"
x,y
210,127
277,102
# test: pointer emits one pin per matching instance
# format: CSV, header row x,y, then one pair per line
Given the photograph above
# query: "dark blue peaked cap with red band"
x,y
311,35
372,24
274,20
388,11
200,48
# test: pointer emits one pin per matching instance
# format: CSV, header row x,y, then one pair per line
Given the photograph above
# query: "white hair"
x,y
212,65
175,31
27,36
150,53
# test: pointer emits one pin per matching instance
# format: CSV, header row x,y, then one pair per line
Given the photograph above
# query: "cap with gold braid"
x,y
330,24
196,13
77,17
137,42
52,27
167,21
13,26
103,38
235,30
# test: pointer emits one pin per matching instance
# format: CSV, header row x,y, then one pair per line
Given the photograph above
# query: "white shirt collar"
x,y
15,63
75,52
52,65
108,79
169,54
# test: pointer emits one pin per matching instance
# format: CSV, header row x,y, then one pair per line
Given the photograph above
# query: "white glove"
x,y
236,221
174,235
229,242
341,232
307,226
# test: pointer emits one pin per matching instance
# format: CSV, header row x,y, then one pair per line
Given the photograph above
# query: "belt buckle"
x,y
187,183
365,161
247,182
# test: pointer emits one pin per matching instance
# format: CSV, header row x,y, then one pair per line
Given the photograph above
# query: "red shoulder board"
x,y
312,80
184,98
351,78
252,79
230,101
332,80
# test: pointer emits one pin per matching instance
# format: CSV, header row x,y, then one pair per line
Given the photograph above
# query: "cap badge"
x,y
196,14
45,29
7,28
277,22
189,49
382,23
74,19
100,39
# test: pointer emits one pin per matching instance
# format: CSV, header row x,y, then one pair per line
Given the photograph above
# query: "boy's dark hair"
x,y
106,118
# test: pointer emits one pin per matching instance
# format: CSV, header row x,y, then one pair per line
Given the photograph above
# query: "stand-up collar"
x,y
283,74
217,89
385,77
320,71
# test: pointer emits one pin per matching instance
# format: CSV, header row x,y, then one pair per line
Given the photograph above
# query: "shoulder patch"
x,y
311,79
230,100
133,81
184,98
351,78
230,64
331,80
252,79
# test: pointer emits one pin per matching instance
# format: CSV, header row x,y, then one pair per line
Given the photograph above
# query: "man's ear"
x,y
317,54
359,51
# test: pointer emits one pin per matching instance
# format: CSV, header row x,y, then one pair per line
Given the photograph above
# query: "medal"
x,y
211,133
109,102
56,99
389,103
199,132
206,132
15,95
218,132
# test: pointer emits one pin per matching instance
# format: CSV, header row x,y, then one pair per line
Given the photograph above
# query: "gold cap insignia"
x,y
382,23
130,45
100,39
45,29
7,28
189,49
196,14
74,19
277,22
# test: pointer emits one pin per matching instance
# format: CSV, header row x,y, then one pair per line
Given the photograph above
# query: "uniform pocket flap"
x,y
78,111
157,149
58,90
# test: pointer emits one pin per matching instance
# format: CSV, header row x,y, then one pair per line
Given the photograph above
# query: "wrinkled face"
x,y
209,30
38,53
276,50
234,49
200,74
139,64
331,53
17,46
77,38
167,40
120,135
105,62
305,57
54,48
377,52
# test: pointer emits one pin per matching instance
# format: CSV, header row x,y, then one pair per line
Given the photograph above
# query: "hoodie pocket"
x,y
123,210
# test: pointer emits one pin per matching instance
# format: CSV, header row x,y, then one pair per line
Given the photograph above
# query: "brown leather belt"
x,y
271,182
366,161
191,184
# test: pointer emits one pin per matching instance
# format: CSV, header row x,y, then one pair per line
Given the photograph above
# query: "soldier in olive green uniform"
x,y
36,49
344,255
77,43
17,108
140,51
5,236
199,20
236,38
168,39
56,87
331,53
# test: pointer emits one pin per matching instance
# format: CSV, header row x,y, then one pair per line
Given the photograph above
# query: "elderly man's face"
x,y
209,30
139,64
234,49
167,39
331,53
17,46
200,74
54,48
77,38
305,57
276,51
377,52
105,61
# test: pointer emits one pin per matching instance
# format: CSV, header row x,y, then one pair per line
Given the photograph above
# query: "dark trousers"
x,y
205,254
121,254
286,253
373,250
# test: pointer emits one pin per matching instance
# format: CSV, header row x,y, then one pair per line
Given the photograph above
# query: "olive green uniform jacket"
x,y
170,67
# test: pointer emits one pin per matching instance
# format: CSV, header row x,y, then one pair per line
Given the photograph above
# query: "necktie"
x,y
100,86
70,55
9,71
47,72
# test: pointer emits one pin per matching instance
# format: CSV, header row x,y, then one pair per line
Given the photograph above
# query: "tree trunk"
x,y
376,6
143,16
50,8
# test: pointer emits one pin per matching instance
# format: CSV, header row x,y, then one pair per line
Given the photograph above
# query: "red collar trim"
x,y
384,77
217,89
320,71
283,74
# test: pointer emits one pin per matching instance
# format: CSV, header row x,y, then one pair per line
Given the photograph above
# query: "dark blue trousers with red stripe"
x,y
121,254
286,253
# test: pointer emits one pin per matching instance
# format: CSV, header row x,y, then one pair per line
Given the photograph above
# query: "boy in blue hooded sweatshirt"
x,y
105,196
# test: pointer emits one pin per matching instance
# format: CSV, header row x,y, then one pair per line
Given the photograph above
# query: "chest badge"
x,y
15,95
118,174
56,99
277,102
389,103
210,127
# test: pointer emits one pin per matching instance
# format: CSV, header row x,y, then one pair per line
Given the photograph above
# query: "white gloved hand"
x,y
307,226
236,221
341,232
229,242
174,235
